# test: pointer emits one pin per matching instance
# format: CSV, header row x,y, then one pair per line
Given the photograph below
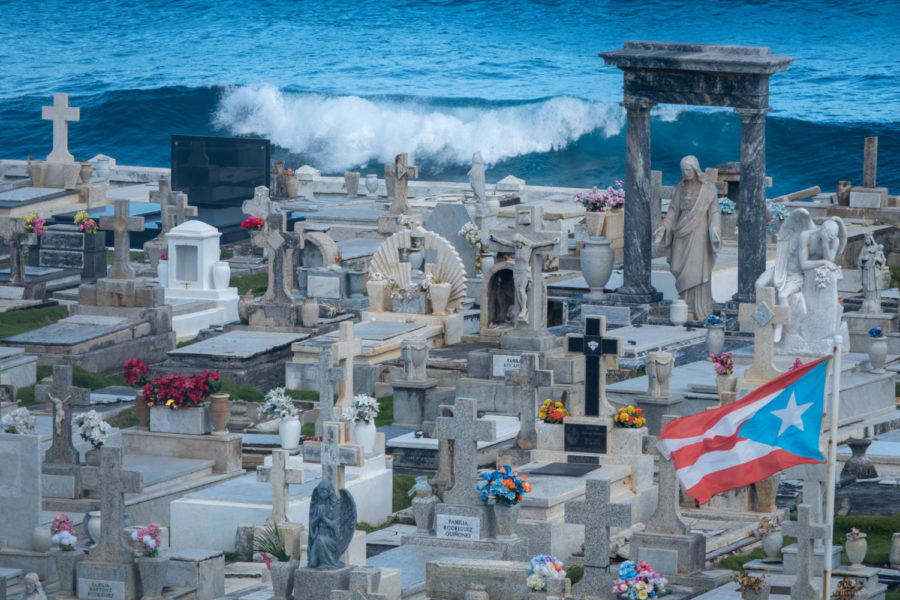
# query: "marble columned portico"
x,y
752,200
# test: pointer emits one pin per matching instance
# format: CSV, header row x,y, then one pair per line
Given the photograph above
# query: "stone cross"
x,y
260,205
60,113
667,518
161,197
401,172
597,515
18,240
271,239
529,379
466,430
333,454
61,394
806,533
182,209
122,223
815,478
281,477
327,374
443,478
764,315
600,354
870,162
345,350
113,483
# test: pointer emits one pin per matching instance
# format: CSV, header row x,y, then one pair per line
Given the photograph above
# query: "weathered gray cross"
x,y
345,350
161,196
327,374
597,515
182,209
62,395
529,379
401,172
12,229
765,315
281,477
60,113
122,224
814,477
667,517
113,483
260,205
466,430
333,454
806,533
271,239
443,478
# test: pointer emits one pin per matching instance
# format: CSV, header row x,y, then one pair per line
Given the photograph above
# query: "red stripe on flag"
x,y
746,474
688,455
698,424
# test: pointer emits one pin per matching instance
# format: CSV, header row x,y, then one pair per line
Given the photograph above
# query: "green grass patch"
x,y
308,429
133,255
895,276
225,253
892,594
385,411
878,532
363,526
401,498
304,395
80,378
189,342
231,557
256,283
15,322
575,573
242,391
125,419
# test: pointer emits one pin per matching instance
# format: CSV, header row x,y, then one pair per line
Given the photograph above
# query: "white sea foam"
x,y
341,132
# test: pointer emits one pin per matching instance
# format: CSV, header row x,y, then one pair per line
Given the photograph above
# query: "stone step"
x,y
12,576
159,473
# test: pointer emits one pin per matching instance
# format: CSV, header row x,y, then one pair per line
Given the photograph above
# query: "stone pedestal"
x,y
200,569
410,399
858,325
64,247
670,554
316,584
271,314
107,581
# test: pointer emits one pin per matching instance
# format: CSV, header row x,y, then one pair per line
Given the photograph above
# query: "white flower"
x,y
92,428
18,421
134,536
56,537
278,404
149,542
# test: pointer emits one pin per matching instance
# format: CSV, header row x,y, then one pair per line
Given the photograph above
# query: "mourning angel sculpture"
x,y
805,277
692,234
332,520
870,262
33,588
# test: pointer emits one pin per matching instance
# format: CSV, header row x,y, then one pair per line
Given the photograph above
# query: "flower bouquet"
x,y
630,416
726,206
63,531
714,321
639,581
136,372
33,224
278,405
544,567
181,391
552,412
363,410
18,421
92,428
597,200
876,332
505,485
252,224
723,362
147,539
796,364
85,223
766,526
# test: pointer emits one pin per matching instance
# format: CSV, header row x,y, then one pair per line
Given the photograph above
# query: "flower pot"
x,y
142,412
283,578
550,436
66,563
858,466
92,526
614,224
221,274
291,186
423,511
191,421
364,435
92,457
219,413
244,304
877,354
416,260
371,183
726,383
762,594
772,543
856,552
627,441
42,539
85,173
309,312
597,258
678,312
487,261
729,225
153,576
594,222
715,338
289,431
162,273
440,296
102,169
376,290
505,519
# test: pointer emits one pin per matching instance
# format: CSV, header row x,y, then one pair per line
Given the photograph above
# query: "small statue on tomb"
x,y
33,588
332,520
871,263
692,233
476,179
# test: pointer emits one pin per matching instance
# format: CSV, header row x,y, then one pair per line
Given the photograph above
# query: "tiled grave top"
x,y
378,330
507,429
6,353
239,344
358,247
25,195
72,330
411,560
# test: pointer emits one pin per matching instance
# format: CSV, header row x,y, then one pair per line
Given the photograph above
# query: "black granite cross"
x,y
600,353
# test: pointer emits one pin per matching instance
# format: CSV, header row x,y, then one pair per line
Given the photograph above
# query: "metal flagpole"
x,y
832,463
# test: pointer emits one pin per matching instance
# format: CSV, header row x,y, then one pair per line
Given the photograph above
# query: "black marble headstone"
x,y
585,437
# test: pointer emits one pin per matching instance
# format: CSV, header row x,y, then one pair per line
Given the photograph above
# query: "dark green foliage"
x,y
270,541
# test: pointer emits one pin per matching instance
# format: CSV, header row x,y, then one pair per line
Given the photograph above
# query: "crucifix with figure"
x,y
401,172
600,354
62,395
281,476
122,223
765,316
61,114
333,454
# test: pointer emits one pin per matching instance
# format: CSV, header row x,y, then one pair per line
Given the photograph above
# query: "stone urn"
x,y
244,304
614,224
283,578
377,291
162,273
371,183
505,519
877,354
423,511
309,312
153,576
289,432
894,553
856,547
772,543
221,274
102,168
729,225
597,258
142,412
85,172
291,186
440,297
92,526
594,222
66,564
477,591
715,338
219,413
766,490
678,312
487,261
725,382
42,539
364,433
550,436
858,466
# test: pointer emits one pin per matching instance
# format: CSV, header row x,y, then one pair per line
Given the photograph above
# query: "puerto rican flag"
x,y
774,427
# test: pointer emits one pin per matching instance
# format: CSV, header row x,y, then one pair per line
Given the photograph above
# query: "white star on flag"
x,y
791,415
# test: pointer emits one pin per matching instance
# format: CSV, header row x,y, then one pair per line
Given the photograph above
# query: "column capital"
x,y
637,103
752,115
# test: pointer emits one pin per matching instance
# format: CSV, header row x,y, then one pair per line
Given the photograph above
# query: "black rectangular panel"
x,y
218,172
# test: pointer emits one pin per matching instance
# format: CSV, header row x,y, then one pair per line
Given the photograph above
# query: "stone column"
x,y
636,288
751,203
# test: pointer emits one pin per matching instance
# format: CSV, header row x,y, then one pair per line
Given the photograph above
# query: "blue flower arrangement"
x,y
876,332
504,484
726,206
714,321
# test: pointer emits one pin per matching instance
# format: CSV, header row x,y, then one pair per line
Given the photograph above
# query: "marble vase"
x,y
377,291
221,274
877,354
597,258
725,382
162,273
219,413
364,435
309,312
153,576
289,432
856,551
594,222
283,578
715,338
291,186
505,519
440,296
772,543
678,312
66,563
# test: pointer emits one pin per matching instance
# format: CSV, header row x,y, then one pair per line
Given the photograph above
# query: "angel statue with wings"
x,y
805,279
332,519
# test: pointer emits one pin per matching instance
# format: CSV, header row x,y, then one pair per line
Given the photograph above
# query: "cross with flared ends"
x,y
806,532
60,113
122,223
466,430
765,315
345,350
113,483
281,477
401,172
182,209
333,454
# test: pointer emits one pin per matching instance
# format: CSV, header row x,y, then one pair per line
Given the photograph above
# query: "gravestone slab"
x,y
585,437
447,220
378,330
238,344
867,197
323,286
501,363
72,330
20,488
565,469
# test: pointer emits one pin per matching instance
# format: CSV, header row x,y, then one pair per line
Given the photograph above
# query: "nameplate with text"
x,y
452,527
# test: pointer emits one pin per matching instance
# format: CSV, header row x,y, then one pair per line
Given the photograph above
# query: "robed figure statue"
x,y
332,520
692,233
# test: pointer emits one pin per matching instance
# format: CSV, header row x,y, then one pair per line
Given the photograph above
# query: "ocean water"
x,y
347,84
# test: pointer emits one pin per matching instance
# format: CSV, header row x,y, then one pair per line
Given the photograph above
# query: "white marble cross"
x,y
60,113
333,454
344,351
597,515
281,477
764,315
113,483
466,430
122,223
806,532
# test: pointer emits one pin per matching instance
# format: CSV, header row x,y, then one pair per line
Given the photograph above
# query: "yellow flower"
x,y
642,595
170,401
